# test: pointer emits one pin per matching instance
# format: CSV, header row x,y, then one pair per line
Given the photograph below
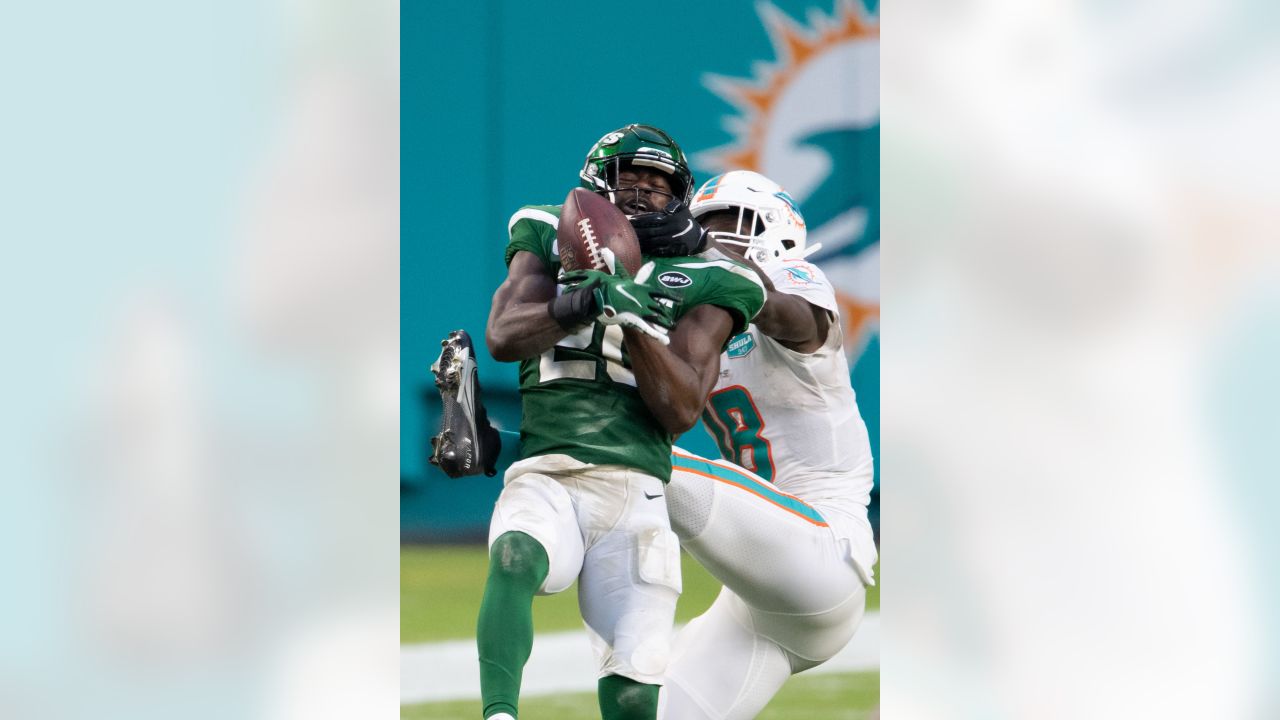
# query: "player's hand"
x,y
623,300
632,303
672,231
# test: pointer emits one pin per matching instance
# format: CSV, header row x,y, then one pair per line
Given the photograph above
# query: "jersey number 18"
x,y
736,426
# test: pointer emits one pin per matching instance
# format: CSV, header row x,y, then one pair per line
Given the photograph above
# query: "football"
x,y
590,223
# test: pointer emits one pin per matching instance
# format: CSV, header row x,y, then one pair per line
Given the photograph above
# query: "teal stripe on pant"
x,y
749,483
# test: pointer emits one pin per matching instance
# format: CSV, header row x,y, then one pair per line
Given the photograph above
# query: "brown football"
x,y
589,223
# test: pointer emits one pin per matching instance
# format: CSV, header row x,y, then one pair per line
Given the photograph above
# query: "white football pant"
x,y
792,597
607,527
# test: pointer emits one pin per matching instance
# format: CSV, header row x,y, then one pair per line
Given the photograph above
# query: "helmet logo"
x,y
785,197
792,209
611,138
709,189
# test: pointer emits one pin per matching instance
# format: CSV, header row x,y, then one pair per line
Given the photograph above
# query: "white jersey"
x,y
791,417
789,539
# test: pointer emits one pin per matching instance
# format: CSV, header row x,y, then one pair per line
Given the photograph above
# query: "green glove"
x,y
621,300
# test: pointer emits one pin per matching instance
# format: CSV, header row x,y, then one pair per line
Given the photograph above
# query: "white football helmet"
x,y
762,206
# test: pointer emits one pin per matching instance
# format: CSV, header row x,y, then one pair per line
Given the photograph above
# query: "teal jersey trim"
x,y
745,481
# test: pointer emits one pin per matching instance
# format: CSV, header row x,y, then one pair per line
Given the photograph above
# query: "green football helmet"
x,y
641,145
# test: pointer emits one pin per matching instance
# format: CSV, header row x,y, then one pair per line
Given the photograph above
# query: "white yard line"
x,y
562,662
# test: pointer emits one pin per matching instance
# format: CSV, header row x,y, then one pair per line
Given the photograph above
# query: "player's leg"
x,y
535,547
792,596
518,565
773,550
628,588
622,698
729,662
721,669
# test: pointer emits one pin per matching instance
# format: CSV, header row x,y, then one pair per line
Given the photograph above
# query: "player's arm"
x,y
519,324
791,320
676,379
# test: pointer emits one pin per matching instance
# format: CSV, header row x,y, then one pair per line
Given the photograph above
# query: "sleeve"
x,y
533,229
741,293
797,277
725,283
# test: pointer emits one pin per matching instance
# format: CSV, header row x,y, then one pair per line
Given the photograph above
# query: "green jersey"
x,y
580,397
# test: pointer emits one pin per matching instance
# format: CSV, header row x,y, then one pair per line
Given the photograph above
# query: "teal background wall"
x,y
500,101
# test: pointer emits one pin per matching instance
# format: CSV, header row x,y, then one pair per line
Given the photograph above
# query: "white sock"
x,y
500,716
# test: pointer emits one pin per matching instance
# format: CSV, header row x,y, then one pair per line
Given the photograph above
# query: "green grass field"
x,y
440,590
441,586
839,696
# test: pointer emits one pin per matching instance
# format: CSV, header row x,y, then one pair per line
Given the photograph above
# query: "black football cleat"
x,y
466,443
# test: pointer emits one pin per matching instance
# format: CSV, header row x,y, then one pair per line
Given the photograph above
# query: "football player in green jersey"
x,y
602,400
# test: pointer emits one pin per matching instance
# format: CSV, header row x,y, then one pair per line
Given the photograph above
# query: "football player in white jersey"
x,y
782,521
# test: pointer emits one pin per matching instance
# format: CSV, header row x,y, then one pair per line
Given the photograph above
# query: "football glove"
x,y
669,232
615,300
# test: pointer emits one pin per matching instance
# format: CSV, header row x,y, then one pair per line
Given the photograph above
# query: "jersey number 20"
x,y
593,353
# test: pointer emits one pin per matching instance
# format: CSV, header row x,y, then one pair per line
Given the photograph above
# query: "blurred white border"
x,y
1073,194
201,224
